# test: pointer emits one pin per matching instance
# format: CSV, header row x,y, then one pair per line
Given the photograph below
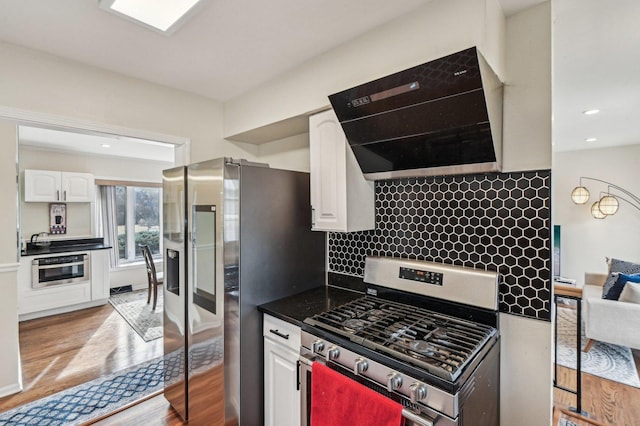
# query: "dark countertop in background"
x,y
296,308
65,246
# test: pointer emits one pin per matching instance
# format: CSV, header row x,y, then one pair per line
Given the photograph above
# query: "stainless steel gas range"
x,y
425,335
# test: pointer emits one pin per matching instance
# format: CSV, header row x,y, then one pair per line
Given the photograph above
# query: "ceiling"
x,y
95,144
231,47
228,48
596,65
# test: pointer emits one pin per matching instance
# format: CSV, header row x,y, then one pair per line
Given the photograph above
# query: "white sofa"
x,y
608,321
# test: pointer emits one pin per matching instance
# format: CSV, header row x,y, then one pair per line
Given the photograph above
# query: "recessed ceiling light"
x,y
590,139
105,145
591,111
160,15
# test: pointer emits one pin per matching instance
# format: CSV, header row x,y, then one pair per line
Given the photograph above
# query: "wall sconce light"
x,y
580,195
608,203
596,212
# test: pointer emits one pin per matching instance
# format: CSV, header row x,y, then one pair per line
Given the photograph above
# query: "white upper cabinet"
x,y
341,199
53,186
77,187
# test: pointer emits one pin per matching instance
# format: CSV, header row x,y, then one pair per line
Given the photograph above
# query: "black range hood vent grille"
x,y
441,117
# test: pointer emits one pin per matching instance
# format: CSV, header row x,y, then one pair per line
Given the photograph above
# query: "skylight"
x,y
161,15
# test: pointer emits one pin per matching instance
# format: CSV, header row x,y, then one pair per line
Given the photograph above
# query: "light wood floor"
x,y
154,411
609,402
62,351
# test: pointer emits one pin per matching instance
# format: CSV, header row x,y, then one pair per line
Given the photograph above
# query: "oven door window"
x,y
60,270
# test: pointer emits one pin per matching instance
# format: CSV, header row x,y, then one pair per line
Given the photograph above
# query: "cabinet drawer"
x,y
281,332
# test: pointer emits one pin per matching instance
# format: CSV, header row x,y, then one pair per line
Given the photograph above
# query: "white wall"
x,y
526,361
10,378
585,242
102,167
439,28
527,91
39,82
34,217
290,153
522,60
526,397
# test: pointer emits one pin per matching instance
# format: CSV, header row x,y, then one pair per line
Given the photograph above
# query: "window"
x,y
138,215
129,217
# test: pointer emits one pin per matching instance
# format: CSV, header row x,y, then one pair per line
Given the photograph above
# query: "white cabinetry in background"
x,y
341,199
40,302
100,275
281,387
52,186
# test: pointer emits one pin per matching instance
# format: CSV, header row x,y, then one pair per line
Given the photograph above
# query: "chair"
x,y
610,321
151,275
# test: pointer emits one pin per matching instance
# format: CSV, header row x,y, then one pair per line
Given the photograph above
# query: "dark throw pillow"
x,y
617,266
618,286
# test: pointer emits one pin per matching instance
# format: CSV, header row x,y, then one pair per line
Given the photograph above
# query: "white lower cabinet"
x,y
100,274
38,302
281,388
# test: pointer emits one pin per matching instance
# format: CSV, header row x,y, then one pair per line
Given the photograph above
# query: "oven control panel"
x,y
423,276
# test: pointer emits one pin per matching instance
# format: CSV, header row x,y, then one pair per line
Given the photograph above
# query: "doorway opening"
x,y
68,342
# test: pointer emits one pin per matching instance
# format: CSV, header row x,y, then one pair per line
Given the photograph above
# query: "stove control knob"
x,y
394,381
418,391
332,353
360,366
317,346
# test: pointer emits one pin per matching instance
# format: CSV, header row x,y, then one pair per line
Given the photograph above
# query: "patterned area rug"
x,y
604,360
134,309
90,400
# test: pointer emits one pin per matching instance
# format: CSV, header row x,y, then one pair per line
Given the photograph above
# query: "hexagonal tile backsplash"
x,y
498,222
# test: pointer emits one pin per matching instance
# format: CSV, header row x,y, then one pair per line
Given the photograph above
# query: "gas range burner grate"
x,y
441,344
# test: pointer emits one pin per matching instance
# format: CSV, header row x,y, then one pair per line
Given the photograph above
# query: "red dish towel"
x,y
337,400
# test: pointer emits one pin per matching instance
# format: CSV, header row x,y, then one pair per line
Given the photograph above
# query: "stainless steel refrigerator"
x,y
235,235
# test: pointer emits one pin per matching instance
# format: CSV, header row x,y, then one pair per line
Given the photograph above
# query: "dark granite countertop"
x,y
65,246
296,308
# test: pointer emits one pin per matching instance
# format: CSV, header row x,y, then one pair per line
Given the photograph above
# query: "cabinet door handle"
x,y
65,195
277,333
298,375
58,195
313,217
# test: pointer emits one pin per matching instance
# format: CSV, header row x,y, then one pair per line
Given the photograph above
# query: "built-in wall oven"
x,y
59,270
425,335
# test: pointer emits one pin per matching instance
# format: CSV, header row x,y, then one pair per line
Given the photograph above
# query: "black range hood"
x,y
442,117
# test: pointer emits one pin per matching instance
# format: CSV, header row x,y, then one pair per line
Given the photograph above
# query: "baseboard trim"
x,y
10,389
62,310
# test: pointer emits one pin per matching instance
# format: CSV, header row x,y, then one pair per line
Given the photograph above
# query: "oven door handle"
x,y
304,369
304,365
58,265
411,416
